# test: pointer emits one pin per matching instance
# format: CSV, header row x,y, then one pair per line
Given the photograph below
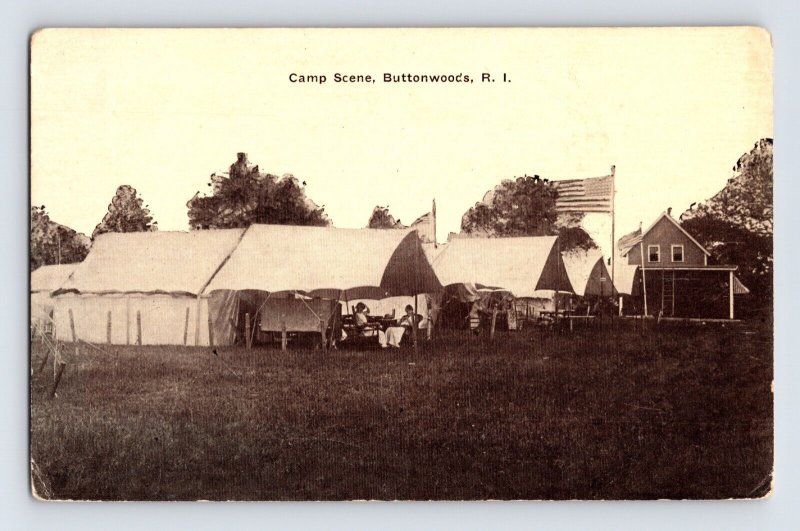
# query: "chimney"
x,y
669,211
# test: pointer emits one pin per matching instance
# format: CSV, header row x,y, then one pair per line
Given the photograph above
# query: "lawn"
x,y
604,412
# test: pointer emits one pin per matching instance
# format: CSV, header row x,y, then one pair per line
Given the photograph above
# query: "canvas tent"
x,y
322,261
588,273
472,268
521,265
395,305
44,281
151,282
627,277
326,263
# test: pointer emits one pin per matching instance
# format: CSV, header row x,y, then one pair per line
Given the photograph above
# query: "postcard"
x,y
401,264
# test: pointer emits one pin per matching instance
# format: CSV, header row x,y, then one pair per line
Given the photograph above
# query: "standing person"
x,y
434,301
474,319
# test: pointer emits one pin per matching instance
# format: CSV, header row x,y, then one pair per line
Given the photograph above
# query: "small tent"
x,y
588,273
471,266
627,277
147,287
44,281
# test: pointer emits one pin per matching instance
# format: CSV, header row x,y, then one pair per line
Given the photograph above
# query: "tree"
x,y
52,243
736,224
746,199
126,213
382,219
525,207
246,195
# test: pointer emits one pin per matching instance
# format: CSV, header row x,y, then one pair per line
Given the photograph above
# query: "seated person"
x,y
394,334
361,319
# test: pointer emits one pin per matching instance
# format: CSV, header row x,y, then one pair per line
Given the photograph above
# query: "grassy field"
x,y
604,412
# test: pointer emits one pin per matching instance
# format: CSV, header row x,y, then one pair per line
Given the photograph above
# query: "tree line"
x,y
735,225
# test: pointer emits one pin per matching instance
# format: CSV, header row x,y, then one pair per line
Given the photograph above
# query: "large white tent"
x,y
520,265
183,287
145,286
328,262
343,265
44,281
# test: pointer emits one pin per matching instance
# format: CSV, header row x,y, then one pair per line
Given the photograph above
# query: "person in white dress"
x,y
394,334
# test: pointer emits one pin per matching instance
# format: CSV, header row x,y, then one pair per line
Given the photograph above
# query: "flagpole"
x,y
613,227
644,279
433,213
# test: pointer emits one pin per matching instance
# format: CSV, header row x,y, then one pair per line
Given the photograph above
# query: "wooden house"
x,y
674,277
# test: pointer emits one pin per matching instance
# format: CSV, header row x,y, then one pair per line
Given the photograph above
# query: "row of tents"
x,y
190,288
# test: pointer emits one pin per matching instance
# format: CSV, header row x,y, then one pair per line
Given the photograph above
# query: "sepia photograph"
x,y
401,264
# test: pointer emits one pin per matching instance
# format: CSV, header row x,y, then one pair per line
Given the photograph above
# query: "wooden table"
x,y
384,322
559,314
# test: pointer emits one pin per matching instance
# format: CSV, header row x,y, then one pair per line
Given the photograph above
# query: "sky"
x,y
161,110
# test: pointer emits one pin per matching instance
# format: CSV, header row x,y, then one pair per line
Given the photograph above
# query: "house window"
x,y
653,253
677,253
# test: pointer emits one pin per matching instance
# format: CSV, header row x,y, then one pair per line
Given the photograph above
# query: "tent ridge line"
x,y
224,261
61,292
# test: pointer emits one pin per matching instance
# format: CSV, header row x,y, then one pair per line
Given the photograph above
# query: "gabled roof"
x,y
51,277
519,264
152,262
630,243
322,261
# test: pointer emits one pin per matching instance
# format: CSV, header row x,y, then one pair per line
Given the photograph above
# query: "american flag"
x,y
426,227
585,195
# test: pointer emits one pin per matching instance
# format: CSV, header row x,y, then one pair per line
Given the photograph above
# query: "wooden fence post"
x,y
322,334
283,336
138,327
44,360
210,330
72,326
186,327
494,322
108,328
74,337
247,339
59,372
